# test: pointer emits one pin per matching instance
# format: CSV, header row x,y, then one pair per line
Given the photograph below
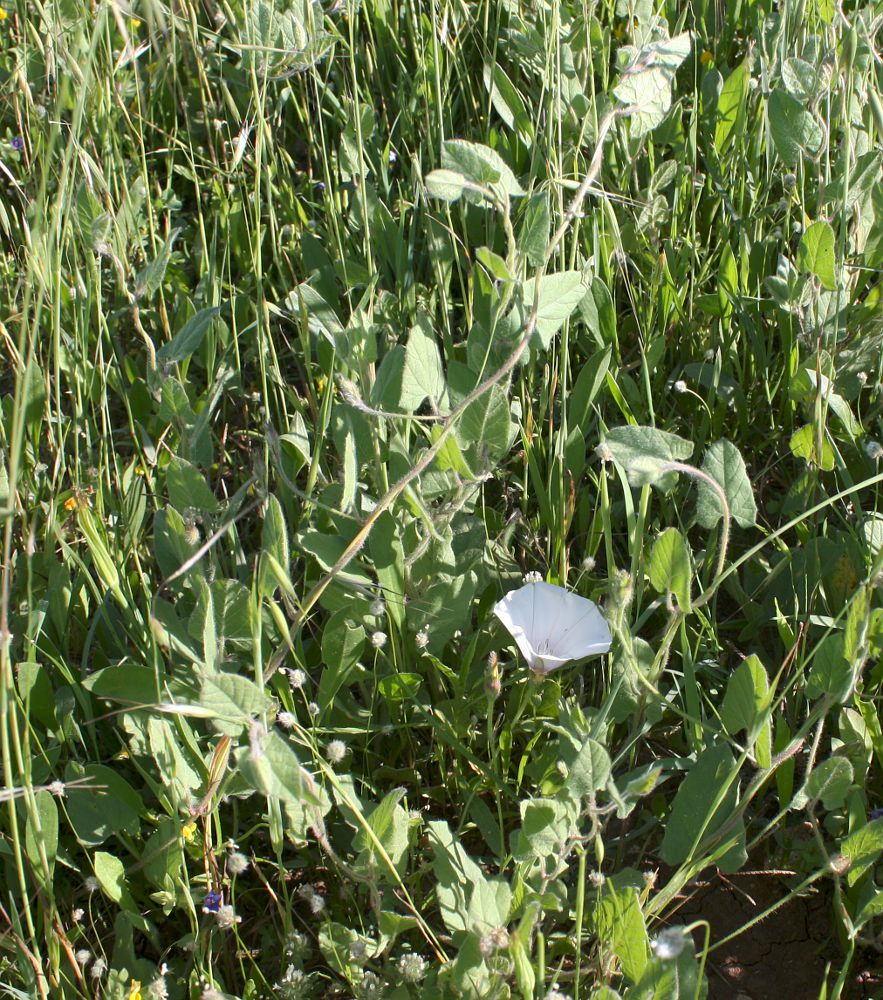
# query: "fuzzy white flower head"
x,y
237,863
335,751
378,639
553,626
297,678
670,943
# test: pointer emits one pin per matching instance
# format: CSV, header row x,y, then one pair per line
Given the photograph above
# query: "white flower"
x,y
286,719
227,917
670,943
83,956
335,751
297,678
552,625
412,968
421,639
874,450
237,863
378,639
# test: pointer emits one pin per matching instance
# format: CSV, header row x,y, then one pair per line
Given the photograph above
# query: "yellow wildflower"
x,y
135,992
706,58
3,14
188,831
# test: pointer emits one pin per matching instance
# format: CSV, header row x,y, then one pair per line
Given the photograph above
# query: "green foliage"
x,y
255,705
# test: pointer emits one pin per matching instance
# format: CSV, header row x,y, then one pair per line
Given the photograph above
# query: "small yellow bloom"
x,y
134,24
188,831
3,14
706,58
71,503
320,384
135,992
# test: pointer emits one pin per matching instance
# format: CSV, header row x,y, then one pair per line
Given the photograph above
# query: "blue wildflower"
x,y
18,142
212,902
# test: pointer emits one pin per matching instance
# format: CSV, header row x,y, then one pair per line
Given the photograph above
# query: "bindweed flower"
x,y
553,626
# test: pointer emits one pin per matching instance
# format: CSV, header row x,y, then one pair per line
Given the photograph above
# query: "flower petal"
x,y
552,625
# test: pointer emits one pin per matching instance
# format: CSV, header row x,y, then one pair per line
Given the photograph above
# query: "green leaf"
x,y
107,805
795,131
342,644
590,771
150,277
746,701
646,83
388,557
423,373
232,701
187,487
803,445
270,766
163,855
480,165
695,816
645,451
617,921
275,554
456,876
830,782
507,101
111,875
41,837
731,106
863,847
448,185
559,295
815,253
189,338
831,674
389,823
724,463
533,234
670,570
545,826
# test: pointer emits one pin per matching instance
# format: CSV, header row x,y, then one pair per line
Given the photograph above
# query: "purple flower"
x,y
212,902
876,813
18,142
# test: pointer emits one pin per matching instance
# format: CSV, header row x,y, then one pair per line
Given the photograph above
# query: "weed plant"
x,y
326,326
